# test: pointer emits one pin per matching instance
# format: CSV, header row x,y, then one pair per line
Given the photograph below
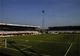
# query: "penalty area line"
x,y
68,49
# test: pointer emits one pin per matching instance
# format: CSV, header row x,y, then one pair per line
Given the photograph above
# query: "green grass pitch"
x,y
47,44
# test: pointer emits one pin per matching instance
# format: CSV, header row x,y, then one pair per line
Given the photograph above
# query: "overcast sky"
x,y
57,12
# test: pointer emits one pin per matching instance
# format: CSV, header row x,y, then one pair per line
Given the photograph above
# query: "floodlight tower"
x,y
43,21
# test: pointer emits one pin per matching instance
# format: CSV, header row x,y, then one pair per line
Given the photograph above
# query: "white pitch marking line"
x,y
68,49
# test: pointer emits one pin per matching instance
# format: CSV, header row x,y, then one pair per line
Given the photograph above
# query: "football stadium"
x,y
39,27
26,40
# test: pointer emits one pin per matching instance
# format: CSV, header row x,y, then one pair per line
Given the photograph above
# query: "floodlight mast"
x,y
43,21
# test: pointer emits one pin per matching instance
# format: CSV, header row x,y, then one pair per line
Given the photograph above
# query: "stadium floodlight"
x,y
43,21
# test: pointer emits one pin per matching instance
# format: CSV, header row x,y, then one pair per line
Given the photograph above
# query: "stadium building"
x,y
64,29
17,29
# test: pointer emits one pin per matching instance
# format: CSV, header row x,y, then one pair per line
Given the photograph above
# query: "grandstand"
x,y
64,29
17,29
